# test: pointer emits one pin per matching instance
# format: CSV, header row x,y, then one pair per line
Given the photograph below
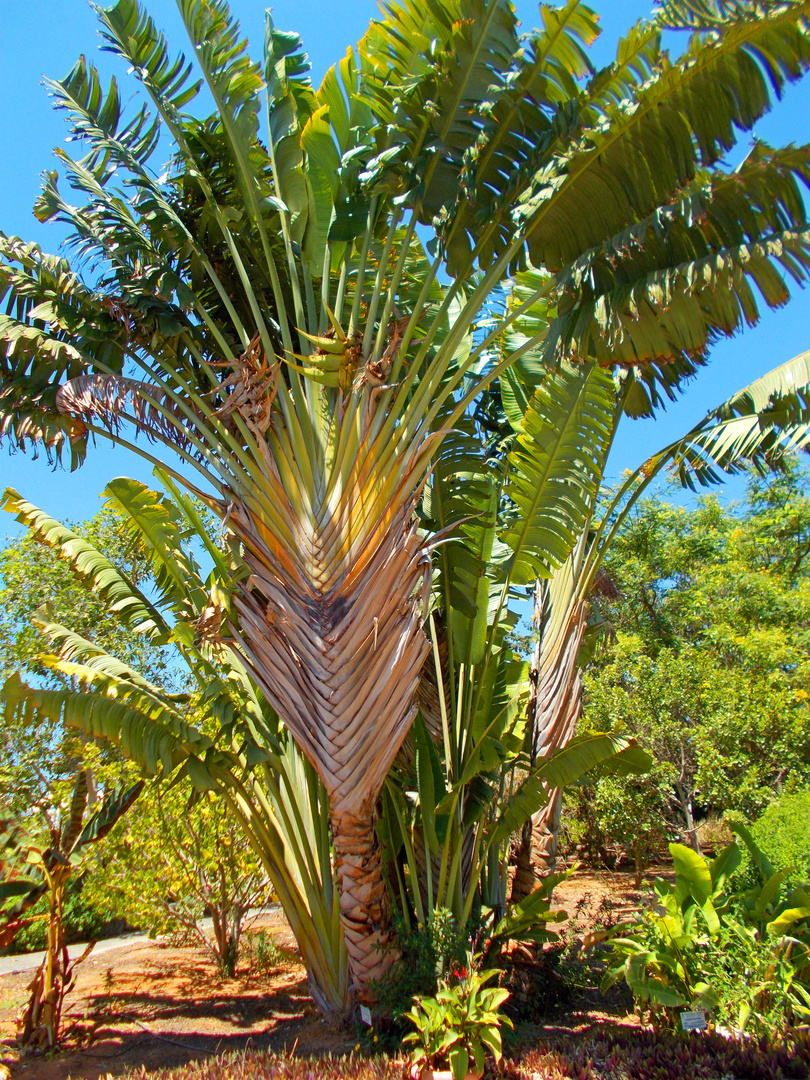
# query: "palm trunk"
x,y
536,855
555,705
364,907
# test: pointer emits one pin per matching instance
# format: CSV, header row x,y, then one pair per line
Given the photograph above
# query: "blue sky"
x,y
43,37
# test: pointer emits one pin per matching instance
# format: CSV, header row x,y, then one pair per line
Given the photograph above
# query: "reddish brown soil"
x,y
151,1005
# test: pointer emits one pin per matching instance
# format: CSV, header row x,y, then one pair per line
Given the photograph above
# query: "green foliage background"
x,y
709,664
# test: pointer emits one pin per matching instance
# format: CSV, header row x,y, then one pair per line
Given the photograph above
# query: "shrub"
x,y
429,952
783,833
461,1026
261,952
618,817
631,810
663,956
742,956
83,922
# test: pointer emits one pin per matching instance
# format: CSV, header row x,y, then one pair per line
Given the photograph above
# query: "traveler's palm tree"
x,y
476,696
265,308
223,736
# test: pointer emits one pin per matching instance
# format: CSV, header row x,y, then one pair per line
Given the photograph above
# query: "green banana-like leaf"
x,y
677,310
155,524
692,875
758,424
112,810
98,118
683,117
157,737
234,81
787,919
430,781
131,32
723,866
755,426
17,888
78,656
525,117
556,467
290,103
781,395
649,988
462,50
763,865
468,564
563,768
527,920
78,802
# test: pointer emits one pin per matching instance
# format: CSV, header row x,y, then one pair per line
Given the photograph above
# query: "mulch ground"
x,y
151,1005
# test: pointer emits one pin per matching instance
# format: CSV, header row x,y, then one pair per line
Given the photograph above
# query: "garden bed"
x,y
150,1005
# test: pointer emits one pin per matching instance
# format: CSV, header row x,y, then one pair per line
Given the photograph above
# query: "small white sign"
x,y
365,1015
693,1021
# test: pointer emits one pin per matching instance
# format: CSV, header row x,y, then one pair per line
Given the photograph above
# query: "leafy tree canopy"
x,y
710,659
734,582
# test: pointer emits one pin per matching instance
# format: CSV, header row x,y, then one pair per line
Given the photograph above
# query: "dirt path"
x,y
150,1005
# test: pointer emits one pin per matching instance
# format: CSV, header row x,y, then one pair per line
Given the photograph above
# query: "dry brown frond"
x,y
115,399
253,387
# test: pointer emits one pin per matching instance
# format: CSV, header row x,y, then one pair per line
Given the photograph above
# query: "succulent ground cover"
x,y
635,1054
629,1055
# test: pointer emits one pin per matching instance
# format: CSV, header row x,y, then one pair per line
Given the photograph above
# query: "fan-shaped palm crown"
x,y
266,307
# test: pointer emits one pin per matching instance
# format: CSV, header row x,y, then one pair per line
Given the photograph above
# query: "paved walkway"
x,y
10,965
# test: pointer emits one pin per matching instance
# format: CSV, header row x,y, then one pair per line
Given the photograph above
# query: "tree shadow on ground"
x,y
154,1026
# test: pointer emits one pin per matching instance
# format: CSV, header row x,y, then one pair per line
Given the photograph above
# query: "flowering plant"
x,y
460,1025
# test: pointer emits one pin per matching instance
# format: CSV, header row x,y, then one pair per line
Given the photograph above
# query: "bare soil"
x,y
150,1005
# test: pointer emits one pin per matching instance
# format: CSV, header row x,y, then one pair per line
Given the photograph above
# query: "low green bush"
x,y
429,951
461,1026
260,952
783,833
741,955
83,922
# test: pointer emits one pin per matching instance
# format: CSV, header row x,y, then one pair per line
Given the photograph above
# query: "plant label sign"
x,y
693,1021
365,1015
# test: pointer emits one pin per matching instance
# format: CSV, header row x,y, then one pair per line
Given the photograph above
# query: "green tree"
x,y
733,582
170,865
266,309
710,662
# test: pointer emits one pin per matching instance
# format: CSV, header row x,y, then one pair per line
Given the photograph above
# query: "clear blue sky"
x,y
45,37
